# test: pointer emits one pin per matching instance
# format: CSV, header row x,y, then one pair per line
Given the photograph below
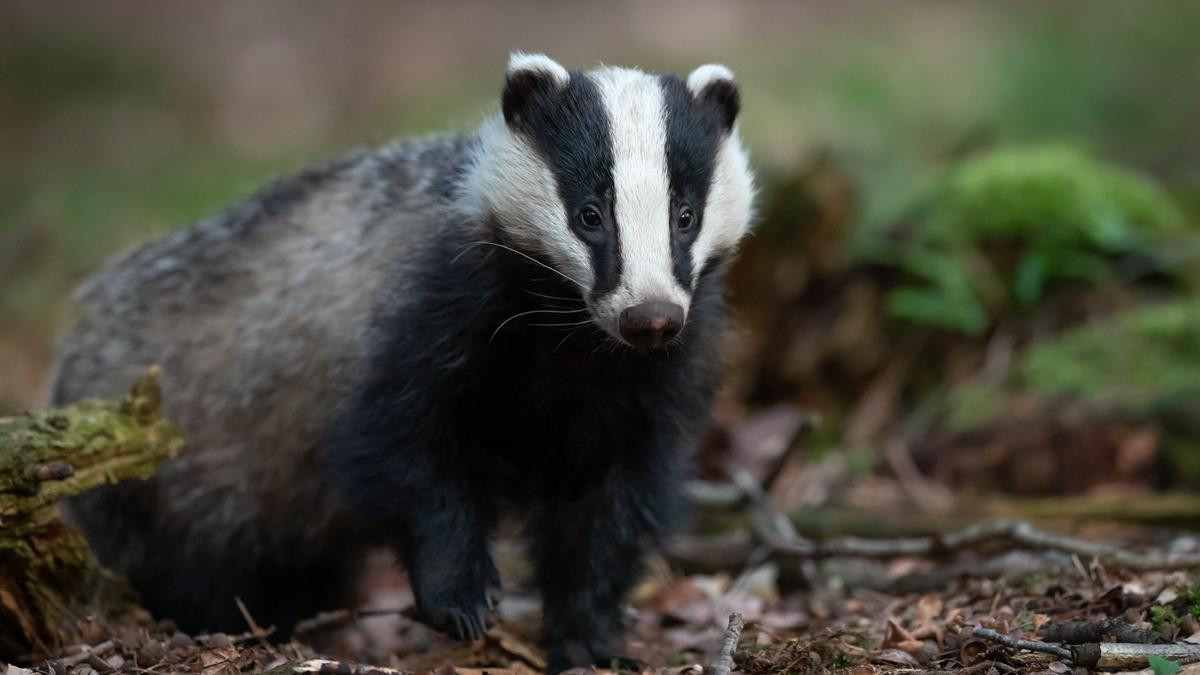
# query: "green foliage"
x,y
1133,358
1162,666
1164,620
1001,228
1192,596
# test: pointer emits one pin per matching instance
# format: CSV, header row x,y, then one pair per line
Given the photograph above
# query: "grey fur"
x,y
309,256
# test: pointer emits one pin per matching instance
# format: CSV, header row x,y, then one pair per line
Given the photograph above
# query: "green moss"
x,y
1182,454
1002,227
1134,358
1164,620
972,405
1145,361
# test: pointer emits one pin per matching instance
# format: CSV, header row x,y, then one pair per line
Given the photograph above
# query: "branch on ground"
x,y
46,569
723,664
1100,656
778,534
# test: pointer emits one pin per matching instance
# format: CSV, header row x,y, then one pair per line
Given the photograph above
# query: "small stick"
x,y
723,664
87,653
776,532
1028,645
256,630
1128,656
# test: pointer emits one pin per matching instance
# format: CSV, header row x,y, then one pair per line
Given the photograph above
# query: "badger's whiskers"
x,y
523,255
561,325
539,311
561,298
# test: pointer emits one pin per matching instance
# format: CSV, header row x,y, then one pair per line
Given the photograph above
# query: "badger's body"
x,y
399,346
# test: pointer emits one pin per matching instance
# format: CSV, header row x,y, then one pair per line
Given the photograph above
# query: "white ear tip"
x,y
706,75
538,63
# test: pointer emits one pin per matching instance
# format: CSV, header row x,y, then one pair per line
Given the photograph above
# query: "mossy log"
x,y
48,577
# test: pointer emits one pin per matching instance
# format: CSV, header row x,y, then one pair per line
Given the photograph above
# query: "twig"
x,y
341,617
257,631
1028,645
723,664
87,653
1012,533
1126,656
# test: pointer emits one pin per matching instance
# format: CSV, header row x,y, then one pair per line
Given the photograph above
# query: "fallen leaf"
x,y
515,646
929,607
896,657
219,660
898,638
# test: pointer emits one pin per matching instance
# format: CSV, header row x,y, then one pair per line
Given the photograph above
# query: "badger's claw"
x,y
458,604
460,624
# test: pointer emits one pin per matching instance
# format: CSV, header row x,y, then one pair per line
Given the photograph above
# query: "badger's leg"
x,y
405,468
588,549
445,549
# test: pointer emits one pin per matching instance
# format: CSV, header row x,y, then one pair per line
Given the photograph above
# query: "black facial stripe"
x,y
694,133
570,131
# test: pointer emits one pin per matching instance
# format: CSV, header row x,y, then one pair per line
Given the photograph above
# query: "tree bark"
x,y
48,577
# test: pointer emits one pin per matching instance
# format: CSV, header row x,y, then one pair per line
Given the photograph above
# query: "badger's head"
x,y
627,183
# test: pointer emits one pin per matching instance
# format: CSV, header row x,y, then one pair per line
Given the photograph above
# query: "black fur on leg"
x,y
405,456
589,544
457,420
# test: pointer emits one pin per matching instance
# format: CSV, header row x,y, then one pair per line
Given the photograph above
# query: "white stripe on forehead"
x,y
641,181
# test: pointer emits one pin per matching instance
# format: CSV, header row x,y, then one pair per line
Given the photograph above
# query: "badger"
x,y
398,347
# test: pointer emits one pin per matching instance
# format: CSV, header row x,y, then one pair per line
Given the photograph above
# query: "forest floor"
x,y
677,624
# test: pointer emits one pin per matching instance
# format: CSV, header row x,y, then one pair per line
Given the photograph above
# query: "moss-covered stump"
x,y
48,577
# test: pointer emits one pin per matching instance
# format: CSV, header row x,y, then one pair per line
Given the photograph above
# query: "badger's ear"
x,y
530,79
712,84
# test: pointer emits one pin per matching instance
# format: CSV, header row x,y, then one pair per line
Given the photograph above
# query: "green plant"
x,y
1002,227
1162,666
1192,597
1133,358
1164,620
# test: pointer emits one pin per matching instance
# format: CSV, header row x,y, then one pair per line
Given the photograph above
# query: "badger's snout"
x,y
651,325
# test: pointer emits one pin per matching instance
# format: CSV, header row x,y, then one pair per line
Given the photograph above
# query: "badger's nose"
x,y
652,324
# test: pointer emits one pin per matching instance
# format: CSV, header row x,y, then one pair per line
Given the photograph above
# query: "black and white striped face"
x,y
629,183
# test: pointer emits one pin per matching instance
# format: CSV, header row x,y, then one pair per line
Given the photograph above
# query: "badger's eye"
x,y
686,219
590,218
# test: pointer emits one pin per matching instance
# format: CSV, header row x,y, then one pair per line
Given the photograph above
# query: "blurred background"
x,y
978,264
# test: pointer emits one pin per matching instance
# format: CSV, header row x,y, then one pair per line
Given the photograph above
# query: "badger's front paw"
x,y
459,604
460,623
